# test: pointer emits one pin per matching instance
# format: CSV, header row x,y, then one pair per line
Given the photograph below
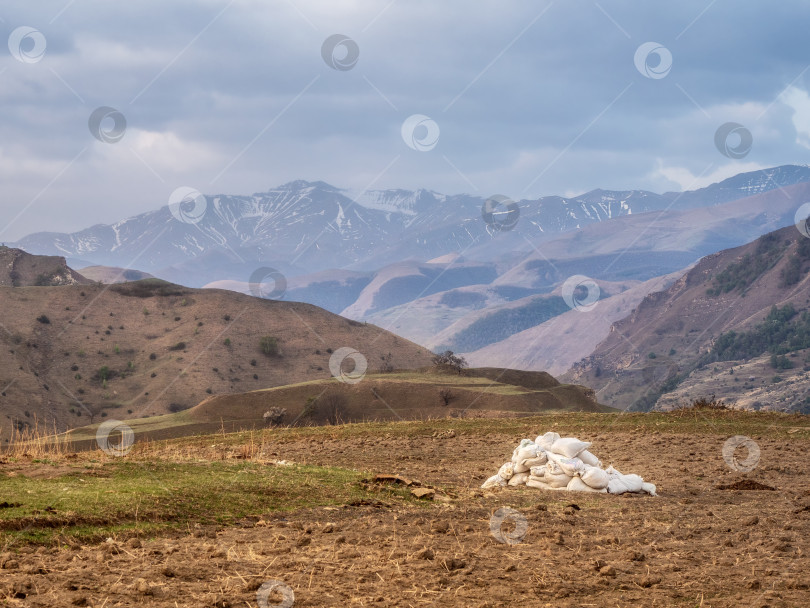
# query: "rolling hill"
x,y
80,353
412,395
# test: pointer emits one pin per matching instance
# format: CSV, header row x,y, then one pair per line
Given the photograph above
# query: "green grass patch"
x,y
138,496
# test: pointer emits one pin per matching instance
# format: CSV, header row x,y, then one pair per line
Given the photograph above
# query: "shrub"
x,y
334,407
446,396
310,408
269,346
781,362
47,279
178,346
227,342
449,360
105,373
711,403
386,367
274,416
44,319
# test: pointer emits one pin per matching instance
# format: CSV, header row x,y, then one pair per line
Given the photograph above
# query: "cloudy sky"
x,y
518,98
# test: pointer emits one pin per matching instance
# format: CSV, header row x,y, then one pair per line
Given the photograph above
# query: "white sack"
x,y
588,458
506,471
569,466
569,447
520,468
529,451
538,471
493,481
649,488
619,484
595,478
528,463
559,480
523,443
541,486
577,485
518,479
547,440
540,460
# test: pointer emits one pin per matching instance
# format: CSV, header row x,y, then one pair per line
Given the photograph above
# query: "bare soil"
x,y
693,545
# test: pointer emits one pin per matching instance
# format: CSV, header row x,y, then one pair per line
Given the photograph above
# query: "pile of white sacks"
x,y
551,462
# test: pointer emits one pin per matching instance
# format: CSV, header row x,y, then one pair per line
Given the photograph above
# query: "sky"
x,y
109,107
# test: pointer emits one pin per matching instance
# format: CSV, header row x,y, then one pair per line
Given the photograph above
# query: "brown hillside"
x,y
114,274
415,395
656,348
21,269
165,348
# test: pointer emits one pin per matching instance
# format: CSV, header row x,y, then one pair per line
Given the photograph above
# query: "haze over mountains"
x,y
428,267
305,227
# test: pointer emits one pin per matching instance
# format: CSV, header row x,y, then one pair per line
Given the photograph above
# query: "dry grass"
x,y
38,442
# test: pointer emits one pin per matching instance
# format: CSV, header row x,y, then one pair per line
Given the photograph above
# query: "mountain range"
x,y
429,267
306,227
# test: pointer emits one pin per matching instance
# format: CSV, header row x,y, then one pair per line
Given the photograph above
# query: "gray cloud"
x,y
235,97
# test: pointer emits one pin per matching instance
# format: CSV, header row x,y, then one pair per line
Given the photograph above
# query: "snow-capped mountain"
x,y
303,227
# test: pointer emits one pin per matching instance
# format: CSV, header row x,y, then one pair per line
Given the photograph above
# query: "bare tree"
x,y
334,408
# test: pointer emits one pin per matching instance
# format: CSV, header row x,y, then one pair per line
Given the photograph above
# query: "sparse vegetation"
x,y
738,276
148,288
47,279
269,345
386,367
783,331
796,266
